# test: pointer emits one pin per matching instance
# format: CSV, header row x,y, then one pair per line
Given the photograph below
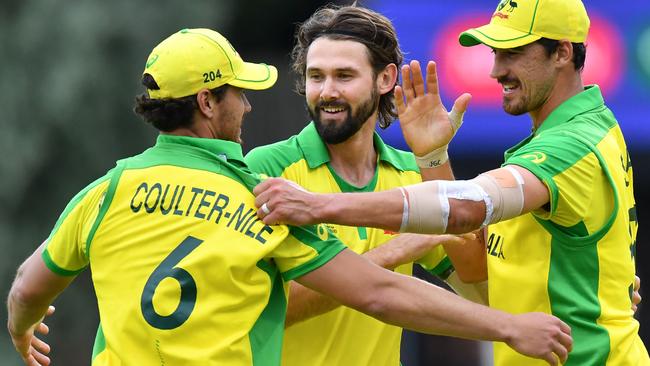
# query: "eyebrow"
x,y
340,69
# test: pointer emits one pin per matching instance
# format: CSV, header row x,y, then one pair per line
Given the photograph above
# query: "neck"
x,y
566,87
355,159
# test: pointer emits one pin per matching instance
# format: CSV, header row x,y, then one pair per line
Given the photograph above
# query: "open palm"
x,y
425,122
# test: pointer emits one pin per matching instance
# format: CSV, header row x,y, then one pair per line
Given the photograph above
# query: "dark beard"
x,y
335,134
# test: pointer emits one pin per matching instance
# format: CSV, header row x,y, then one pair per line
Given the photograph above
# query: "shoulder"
x,y
400,159
274,158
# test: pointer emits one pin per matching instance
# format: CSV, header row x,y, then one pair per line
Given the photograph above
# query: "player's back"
x,y
178,267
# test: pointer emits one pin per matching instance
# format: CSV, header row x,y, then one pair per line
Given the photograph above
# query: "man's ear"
x,y
386,79
206,102
564,53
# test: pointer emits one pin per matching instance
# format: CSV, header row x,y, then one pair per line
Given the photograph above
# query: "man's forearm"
x,y
24,309
33,290
305,303
375,209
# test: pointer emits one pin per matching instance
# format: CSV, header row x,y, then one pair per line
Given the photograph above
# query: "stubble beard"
x,y
333,133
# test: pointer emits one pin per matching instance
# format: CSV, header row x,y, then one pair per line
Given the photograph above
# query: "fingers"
x,y
399,100
432,79
40,346
42,328
458,110
407,84
551,358
469,236
418,81
263,186
40,359
50,310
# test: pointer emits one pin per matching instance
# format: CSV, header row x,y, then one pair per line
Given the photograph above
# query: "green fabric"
x,y
443,269
574,297
327,248
106,203
100,343
566,140
56,269
308,145
217,156
266,335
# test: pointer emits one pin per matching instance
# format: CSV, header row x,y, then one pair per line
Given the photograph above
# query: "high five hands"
x,y
425,122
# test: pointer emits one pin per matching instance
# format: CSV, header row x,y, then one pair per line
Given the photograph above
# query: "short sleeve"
x,y
305,249
65,252
567,167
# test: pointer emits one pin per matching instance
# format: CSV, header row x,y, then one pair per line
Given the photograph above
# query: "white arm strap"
x,y
427,208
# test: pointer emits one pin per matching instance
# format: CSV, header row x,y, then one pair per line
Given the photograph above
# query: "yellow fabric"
x,y
194,59
517,23
345,336
555,274
158,240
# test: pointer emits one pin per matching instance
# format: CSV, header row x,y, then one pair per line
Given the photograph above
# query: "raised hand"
x,y
541,336
425,123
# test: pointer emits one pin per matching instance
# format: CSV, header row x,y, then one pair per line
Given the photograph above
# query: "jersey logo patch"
x,y
536,157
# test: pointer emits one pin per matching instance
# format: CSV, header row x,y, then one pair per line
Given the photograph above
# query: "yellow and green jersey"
x,y
184,271
343,336
573,258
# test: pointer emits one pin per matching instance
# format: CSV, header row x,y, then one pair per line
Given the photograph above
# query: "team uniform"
x,y
343,336
184,271
575,258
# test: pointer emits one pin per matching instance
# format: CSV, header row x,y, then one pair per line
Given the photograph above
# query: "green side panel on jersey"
x,y
574,298
266,335
100,342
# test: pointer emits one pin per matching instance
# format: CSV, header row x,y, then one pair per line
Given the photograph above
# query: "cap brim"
x,y
496,36
255,76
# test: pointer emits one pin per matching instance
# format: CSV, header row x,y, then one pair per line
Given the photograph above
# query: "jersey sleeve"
x,y
305,249
65,252
437,263
567,166
266,160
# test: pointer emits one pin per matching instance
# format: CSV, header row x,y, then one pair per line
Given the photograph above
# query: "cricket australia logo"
x,y
510,3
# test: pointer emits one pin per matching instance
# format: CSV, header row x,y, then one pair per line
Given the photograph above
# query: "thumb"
x,y
458,110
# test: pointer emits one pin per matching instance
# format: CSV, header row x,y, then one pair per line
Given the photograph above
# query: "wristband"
x,y
433,159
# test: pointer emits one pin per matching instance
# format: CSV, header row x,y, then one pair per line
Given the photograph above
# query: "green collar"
x,y
225,150
315,152
587,100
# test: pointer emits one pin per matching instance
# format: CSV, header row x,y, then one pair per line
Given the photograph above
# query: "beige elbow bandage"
x,y
427,209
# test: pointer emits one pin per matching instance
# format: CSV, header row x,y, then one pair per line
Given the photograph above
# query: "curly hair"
x,y
170,113
357,24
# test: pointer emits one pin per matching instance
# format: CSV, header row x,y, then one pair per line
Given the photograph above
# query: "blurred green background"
x,y
69,73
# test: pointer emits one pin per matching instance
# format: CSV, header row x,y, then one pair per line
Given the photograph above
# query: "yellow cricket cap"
x,y
194,59
517,23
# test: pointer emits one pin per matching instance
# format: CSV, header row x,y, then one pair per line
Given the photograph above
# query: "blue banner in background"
x,y
618,59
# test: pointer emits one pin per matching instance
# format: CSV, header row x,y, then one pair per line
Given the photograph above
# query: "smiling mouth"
x,y
509,88
332,110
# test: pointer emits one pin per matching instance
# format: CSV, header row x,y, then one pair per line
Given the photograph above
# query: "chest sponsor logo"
x,y
495,246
